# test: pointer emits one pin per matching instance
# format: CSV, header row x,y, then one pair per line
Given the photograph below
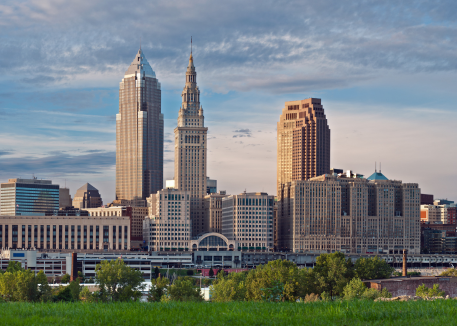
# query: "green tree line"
x,y
333,276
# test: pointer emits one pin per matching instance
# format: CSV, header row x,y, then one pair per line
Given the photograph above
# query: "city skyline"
x,y
385,98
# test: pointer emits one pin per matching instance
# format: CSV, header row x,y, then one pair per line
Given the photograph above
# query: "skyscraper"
x,y
190,149
139,133
303,142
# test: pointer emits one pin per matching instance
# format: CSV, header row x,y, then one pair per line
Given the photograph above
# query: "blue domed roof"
x,y
377,176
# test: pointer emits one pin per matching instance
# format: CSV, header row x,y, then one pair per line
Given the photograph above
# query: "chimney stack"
x,y
405,269
74,266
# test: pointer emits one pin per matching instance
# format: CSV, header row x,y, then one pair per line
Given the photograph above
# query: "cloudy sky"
x,y
385,71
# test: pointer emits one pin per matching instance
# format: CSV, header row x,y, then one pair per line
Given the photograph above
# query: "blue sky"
x,y
385,71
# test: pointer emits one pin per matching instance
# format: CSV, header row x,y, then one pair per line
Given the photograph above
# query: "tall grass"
x,y
233,313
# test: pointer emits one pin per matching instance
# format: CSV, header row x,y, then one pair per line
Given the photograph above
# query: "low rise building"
x,y
136,215
248,219
71,232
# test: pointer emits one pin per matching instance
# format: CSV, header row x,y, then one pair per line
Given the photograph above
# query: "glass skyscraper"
x,y
28,197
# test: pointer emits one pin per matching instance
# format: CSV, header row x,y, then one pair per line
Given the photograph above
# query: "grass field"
x,y
438,312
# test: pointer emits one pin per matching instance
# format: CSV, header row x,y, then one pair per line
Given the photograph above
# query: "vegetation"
x,y
408,273
357,312
282,280
65,278
356,289
449,272
372,268
424,291
158,289
183,289
117,281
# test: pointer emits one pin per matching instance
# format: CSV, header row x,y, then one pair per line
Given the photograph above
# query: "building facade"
x,y
136,216
352,215
30,197
87,197
191,149
303,141
71,232
169,226
64,198
248,219
213,212
139,133
211,186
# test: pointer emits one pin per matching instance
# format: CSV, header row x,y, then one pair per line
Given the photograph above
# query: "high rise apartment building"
x,y
191,149
303,141
28,197
139,133
247,218
349,214
169,225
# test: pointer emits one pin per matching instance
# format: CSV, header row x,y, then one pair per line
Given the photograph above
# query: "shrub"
x,y
311,298
449,272
183,290
354,289
424,291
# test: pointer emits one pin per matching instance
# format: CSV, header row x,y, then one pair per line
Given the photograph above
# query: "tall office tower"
x,y
303,142
28,197
190,149
139,134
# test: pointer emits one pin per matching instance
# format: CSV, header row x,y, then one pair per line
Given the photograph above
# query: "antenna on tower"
x,y
140,43
191,45
379,167
375,167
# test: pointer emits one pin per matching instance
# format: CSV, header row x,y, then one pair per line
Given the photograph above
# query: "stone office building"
x,y
247,218
349,214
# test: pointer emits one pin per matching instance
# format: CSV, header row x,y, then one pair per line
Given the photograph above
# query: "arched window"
x,y
213,241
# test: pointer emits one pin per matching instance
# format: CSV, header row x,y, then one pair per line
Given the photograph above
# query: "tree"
x,y
372,268
229,288
354,289
184,289
424,291
449,272
274,275
75,289
211,272
332,272
156,272
14,266
44,290
81,276
117,281
158,289
65,279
